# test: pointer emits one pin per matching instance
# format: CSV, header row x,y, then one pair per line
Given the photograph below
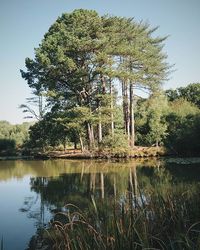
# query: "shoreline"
x,y
137,152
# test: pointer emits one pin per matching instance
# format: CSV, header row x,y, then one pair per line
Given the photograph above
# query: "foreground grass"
x,y
148,221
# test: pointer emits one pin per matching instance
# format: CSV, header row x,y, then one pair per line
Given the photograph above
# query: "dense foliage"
x,y
81,65
191,93
88,68
12,136
175,124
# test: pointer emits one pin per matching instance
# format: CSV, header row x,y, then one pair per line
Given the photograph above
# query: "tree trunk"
x,y
103,82
40,101
99,124
157,143
111,107
103,85
100,131
64,144
90,136
81,143
132,124
126,108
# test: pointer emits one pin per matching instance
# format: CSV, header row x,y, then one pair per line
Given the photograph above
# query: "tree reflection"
x,y
109,184
106,185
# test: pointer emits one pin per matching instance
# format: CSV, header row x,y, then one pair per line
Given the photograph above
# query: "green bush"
x,y
116,141
7,145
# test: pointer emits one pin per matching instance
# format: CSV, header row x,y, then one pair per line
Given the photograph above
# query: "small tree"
x,y
157,110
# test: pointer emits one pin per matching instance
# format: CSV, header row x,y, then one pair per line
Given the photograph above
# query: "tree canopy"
x,y
81,61
191,93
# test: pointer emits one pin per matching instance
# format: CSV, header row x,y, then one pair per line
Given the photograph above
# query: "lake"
x,y
32,192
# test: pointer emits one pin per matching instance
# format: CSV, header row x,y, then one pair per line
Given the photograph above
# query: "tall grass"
x,y
148,221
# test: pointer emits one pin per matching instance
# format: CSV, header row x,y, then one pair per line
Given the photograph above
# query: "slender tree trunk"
x,y
132,124
40,106
123,105
89,136
81,143
111,107
103,82
103,85
157,143
126,109
92,136
90,131
99,127
100,130
64,144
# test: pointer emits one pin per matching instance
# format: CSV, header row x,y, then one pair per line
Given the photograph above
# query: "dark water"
x,y
31,192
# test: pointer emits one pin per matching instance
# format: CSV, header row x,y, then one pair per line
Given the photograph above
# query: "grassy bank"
x,y
106,153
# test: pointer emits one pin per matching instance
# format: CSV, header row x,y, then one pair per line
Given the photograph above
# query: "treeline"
x,y
158,121
166,118
87,70
13,137
171,118
86,73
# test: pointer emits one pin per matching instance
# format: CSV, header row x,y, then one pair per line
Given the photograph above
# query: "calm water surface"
x,y
31,192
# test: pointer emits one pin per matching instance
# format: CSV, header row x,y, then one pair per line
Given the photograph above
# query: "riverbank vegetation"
x,y
87,77
180,126
13,137
151,221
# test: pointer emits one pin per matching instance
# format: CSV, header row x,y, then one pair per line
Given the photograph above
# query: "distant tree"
x,y
157,110
151,125
13,136
183,121
191,93
5,130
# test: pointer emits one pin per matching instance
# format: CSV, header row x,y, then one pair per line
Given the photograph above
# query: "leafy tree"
x,y
183,127
81,57
7,145
151,125
157,110
191,93
47,132
13,136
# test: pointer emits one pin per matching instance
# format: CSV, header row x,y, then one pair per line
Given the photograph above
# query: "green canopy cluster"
x,y
81,65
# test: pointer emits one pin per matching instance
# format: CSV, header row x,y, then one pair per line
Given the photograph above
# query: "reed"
x,y
158,220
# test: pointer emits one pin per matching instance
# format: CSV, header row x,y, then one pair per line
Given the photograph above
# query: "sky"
x,y
23,24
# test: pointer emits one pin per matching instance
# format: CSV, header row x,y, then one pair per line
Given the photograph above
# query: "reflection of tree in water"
x,y
76,188
131,185
106,187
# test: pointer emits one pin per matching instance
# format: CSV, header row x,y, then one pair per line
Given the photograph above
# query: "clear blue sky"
x,y
24,22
